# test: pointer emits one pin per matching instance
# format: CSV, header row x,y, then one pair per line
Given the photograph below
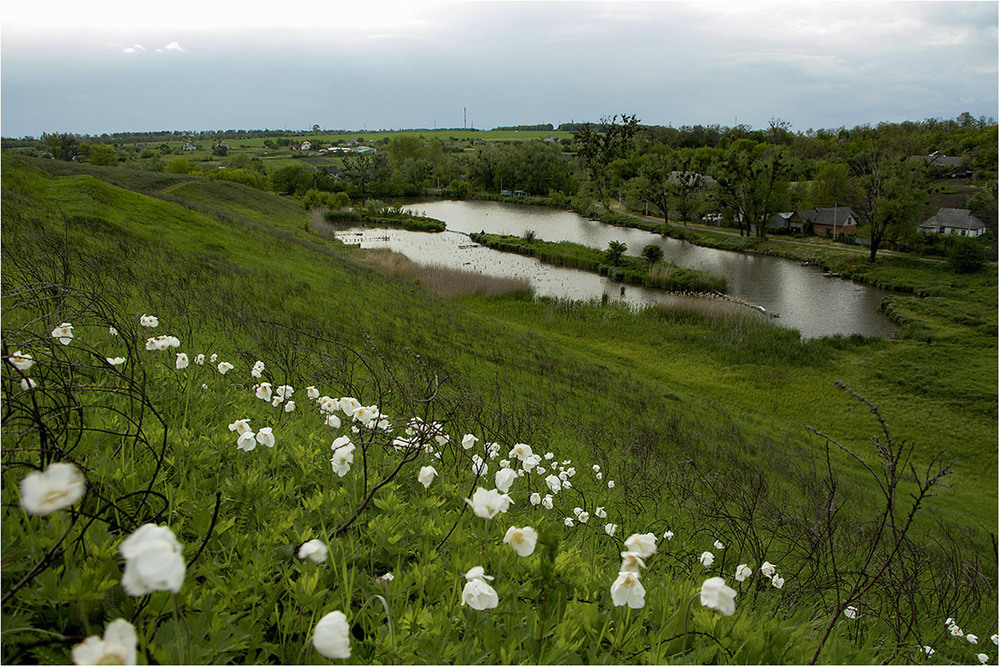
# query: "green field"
x,y
702,421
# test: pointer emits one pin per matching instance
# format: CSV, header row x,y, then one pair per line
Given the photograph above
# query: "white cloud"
x,y
174,46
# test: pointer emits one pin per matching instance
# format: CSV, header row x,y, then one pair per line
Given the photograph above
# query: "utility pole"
x,y
465,117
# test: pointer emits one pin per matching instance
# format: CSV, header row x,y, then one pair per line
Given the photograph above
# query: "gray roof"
x,y
939,160
839,215
953,218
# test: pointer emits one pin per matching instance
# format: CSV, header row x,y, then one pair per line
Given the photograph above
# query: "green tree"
x,y
893,194
753,184
366,170
291,179
100,154
178,165
833,184
966,255
616,250
653,253
599,146
62,146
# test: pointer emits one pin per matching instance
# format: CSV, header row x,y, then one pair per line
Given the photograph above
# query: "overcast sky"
x,y
94,67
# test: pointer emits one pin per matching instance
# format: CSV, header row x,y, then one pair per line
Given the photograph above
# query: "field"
x,y
711,428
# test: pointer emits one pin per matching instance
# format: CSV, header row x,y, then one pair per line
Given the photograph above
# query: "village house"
x,y
189,146
954,222
835,221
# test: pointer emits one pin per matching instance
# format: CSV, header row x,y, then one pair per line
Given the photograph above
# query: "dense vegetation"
x,y
713,427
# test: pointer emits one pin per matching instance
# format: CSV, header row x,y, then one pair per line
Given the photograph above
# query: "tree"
x,y
613,255
64,146
653,253
600,146
291,179
966,255
753,184
100,154
893,196
364,170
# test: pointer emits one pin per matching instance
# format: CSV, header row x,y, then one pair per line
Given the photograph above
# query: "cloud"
x,y
174,46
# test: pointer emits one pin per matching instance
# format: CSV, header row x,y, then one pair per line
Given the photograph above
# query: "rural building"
x,y
946,165
836,221
779,222
188,146
304,146
954,222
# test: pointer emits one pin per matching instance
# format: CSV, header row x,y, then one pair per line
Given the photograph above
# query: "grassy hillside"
x,y
699,421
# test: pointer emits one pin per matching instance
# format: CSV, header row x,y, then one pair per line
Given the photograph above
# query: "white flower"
x,y
343,455
246,441
983,658
284,391
63,333
644,545
584,517
258,369
479,465
504,463
59,486
181,362
385,578
668,535
150,343
521,540
349,405
547,501
554,483
627,589
241,426
521,451
851,612
21,360
600,513
631,562
777,581
487,504
314,550
566,484
995,639
972,639
535,498
426,475
365,414
577,511
718,545
264,391
153,561
599,475
742,572
150,321
707,558
503,479
212,358
118,647
290,406
277,400
112,331
528,464
596,468
477,593
610,529
199,359
493,449
767,569
265,437
955,630
549,456
718,597
468,441
333,421
27,384
332,636
928,650
568,521
312,393
225,367
611,483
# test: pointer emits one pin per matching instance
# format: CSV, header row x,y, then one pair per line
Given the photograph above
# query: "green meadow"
x,y
703,425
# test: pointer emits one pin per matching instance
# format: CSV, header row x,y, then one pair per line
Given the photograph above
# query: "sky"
x,y
96,67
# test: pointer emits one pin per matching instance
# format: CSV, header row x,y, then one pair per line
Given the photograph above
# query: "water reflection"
x,y
801,295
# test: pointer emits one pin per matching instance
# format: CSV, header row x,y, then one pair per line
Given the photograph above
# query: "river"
x,y
801,296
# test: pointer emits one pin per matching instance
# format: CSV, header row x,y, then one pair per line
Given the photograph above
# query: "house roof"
x,y
840,215
954,218
938,160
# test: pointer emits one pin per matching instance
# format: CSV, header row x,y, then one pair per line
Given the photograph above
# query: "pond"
x,y
801,296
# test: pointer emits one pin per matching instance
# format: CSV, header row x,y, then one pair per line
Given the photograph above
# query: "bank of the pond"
x,y
628,269
413,223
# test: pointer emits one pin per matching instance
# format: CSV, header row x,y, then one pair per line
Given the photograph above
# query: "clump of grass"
x,y
442,280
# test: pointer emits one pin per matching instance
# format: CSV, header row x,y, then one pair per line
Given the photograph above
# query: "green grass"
x,y
699,418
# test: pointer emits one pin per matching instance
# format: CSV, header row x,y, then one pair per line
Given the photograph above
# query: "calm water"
x,y
800,295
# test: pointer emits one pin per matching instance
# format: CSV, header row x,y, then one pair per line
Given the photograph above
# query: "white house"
x,y
955,222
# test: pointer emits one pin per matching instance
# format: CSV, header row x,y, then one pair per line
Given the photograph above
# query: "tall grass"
x,y
445,281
